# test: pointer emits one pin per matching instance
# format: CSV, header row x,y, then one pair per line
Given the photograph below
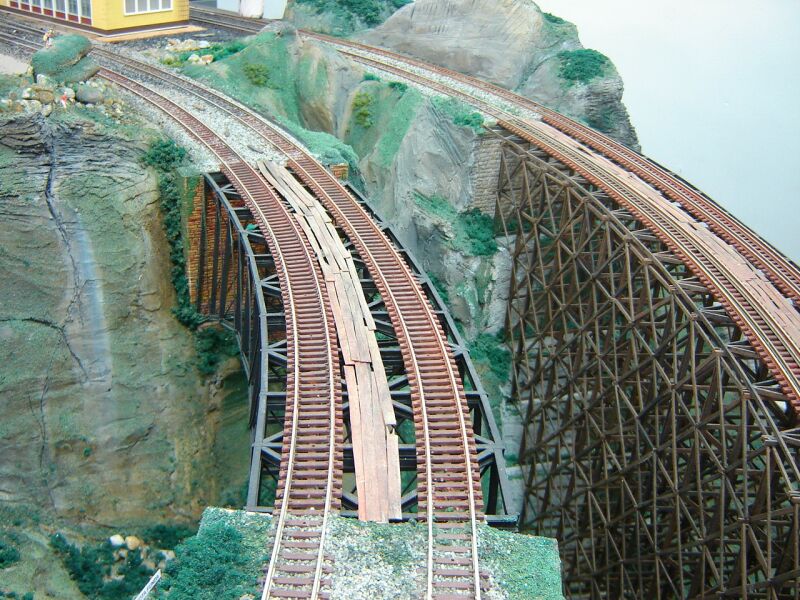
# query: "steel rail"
x,y
783,272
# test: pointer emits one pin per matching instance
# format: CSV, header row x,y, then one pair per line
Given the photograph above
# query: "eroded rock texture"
x,y
104,417
509,43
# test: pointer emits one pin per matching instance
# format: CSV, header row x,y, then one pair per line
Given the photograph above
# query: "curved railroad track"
x,y
449,488
784,273
309,485
780,270
761,309
443,429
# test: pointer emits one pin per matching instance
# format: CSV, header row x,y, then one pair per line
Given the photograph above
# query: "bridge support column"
x,y
656,448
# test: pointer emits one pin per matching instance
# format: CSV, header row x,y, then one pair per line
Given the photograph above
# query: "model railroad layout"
x,y
758,287
309,488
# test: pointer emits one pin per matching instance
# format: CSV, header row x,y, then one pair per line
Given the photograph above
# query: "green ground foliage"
x,y
479,230
90,567
256,73
554,20
228,75
492,359
222,561
11,83
165,156
329,149
9,554
218,51
461,114
166,536
65,60
472,231
371,77
526,567
370,12
583,65
399,86
361,106
214,345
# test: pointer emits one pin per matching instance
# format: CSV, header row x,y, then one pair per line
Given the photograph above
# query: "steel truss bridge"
x,y
656,357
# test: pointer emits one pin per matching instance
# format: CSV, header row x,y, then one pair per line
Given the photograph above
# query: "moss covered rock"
x,y
65,61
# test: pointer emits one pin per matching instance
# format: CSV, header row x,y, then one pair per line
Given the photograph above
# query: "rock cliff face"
x,y
104,418
513,44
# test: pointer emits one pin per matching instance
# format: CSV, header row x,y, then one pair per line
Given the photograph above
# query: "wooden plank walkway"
x,y
372,420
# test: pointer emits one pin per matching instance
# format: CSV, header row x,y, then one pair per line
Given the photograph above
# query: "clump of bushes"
x,y
371,77
8,553
550,18
460,113
213,345
583,65
256,73
90,568
210,566
371,12
479,230
399,86
361,111
166,537
165,156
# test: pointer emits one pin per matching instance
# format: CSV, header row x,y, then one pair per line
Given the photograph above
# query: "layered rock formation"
x,y
513,44
104,417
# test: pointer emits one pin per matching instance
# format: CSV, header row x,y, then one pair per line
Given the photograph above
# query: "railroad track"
x,y
784,273
781,271
309,485
443,430
449,489
769,320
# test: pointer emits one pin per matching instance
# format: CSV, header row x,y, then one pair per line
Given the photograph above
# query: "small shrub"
x,y
164,155
581,66
371,77
361,111
491,351
212,346
8,554
256,73
399,86
166,537
550,18
479,229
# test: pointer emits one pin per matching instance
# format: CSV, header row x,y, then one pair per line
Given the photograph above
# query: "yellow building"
x,y
107,15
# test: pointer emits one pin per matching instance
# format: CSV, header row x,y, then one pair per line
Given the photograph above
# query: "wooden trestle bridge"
x,y
656,345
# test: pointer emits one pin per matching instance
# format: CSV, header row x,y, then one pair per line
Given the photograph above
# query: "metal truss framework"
x,y
657,449
237,285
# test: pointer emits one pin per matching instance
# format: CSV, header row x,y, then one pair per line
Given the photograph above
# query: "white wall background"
x,y
713,88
